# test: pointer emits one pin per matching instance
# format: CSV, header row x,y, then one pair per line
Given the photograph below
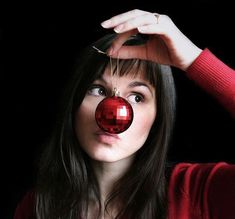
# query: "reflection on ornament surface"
x,y
114,114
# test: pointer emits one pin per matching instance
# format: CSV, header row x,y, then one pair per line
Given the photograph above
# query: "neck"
x,y
108,173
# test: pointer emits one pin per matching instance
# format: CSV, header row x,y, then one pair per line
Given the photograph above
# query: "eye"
x,y
135,98
97,90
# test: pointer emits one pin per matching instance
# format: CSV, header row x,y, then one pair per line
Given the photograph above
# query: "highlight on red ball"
x,y
114,115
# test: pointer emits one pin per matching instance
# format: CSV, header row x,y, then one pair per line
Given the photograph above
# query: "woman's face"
x,y
102,146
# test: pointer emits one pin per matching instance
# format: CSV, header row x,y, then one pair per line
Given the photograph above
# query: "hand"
x,y
166,44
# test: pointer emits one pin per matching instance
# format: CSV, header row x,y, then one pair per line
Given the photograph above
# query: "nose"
x,y
114,114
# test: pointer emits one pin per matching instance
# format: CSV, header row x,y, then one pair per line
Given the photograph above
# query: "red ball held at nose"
x,y
114,114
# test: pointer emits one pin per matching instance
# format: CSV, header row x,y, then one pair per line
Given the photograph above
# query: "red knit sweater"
x,y
215,77
202,191
196,191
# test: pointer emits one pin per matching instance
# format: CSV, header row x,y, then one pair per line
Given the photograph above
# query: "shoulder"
x,y
203,189
26,207
186,174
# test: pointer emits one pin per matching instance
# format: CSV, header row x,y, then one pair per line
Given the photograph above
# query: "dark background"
x,y
40,44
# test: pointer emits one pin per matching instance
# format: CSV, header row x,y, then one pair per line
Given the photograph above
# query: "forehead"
x,y
131,69
132,74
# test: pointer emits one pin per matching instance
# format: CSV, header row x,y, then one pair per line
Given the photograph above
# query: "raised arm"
x,y
168,45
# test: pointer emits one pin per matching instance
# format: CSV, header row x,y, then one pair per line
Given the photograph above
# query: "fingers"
x,y
121,18
130,23
136,52
130,20
119,40
151,29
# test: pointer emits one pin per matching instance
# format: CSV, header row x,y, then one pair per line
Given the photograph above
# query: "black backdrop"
x,y
40,43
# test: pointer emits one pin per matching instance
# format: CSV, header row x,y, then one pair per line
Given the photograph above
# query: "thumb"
x,y
119,41
130,52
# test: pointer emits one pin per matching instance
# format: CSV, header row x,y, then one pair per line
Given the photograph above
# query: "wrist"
x,y
192,55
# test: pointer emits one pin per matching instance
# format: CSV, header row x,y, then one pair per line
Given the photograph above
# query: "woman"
x,y
86,172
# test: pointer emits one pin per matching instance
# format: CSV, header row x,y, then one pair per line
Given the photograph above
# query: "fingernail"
x,y
105,23
118,28
110,51
141,29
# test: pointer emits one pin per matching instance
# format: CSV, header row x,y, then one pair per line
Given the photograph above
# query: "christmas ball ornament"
x,y
114,114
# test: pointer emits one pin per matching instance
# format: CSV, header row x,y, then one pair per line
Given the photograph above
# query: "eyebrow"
x,y
139,84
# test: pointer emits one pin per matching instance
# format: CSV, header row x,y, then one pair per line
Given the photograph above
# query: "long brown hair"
x,y
66,180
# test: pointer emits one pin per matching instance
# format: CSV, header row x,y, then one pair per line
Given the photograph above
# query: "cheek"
x,y
86,111
144,120
140,128
84,119
83,114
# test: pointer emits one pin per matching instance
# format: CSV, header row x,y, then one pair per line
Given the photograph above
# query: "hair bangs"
x,y
135,67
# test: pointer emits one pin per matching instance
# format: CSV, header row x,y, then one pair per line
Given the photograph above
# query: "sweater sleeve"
x,y
214,77
202,191
25,208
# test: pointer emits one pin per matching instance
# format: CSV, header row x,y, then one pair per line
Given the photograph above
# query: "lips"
x,y
106,138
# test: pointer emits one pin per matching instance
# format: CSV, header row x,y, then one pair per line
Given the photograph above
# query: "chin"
x,y
104,157
109,158
101,153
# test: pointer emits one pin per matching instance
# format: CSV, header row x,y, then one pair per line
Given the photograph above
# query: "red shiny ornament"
x,y
114,114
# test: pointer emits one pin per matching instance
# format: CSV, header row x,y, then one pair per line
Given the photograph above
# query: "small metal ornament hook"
x,y
115,93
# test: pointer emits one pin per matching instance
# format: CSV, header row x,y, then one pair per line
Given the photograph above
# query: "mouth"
x,y
106,138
